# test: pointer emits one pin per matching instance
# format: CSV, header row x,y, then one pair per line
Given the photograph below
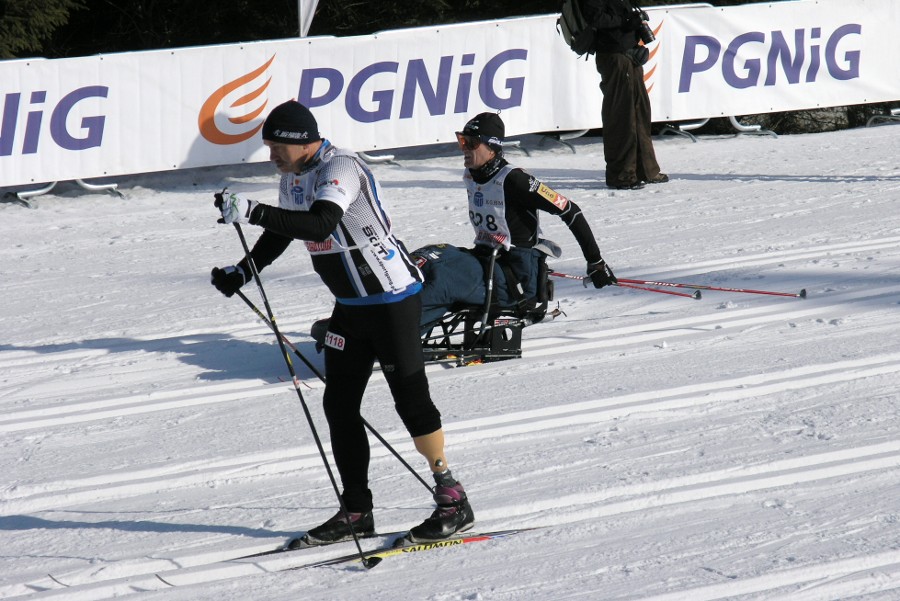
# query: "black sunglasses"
x,y
467,142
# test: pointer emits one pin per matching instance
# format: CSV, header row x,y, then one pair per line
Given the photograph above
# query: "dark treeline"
x,y
67,28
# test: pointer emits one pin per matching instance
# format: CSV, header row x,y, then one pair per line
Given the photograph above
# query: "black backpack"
x,y
575,29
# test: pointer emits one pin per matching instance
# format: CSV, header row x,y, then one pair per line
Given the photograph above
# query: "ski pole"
x,y
558,274
318,374
368,562
266,321
801,294
694,295
488,292
626,284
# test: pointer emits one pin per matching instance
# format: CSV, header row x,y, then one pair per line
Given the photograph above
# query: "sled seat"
x,y
464,336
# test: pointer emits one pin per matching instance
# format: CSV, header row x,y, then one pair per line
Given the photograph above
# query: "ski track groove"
x,y
623,336
846,578
735,263
79,412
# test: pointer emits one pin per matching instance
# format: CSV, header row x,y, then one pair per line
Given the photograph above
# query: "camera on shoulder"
x,y
643,29
645,33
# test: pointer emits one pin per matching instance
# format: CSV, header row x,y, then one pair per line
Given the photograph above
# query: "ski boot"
x,y
452,516
336,530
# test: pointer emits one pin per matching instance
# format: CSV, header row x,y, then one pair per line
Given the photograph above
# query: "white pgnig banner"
x,y
154,111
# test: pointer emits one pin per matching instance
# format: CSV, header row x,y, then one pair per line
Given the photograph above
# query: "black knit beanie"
x,y
291,123
488,127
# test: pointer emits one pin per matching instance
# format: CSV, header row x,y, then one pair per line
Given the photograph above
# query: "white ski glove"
x,y
235,208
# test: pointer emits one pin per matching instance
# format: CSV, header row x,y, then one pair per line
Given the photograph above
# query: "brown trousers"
x,y
627,146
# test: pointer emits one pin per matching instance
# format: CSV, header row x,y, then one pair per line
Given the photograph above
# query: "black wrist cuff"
x,y
256,215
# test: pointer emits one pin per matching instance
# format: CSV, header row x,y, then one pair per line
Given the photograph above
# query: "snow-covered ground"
x,y
737,447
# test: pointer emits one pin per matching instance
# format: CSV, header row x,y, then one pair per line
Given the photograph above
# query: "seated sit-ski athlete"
x,y
504,207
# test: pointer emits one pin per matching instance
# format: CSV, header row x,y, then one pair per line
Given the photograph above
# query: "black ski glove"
x,y
228,280
601,275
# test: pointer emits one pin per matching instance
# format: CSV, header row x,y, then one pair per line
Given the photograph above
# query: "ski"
x,y
283,548
407,547
395,543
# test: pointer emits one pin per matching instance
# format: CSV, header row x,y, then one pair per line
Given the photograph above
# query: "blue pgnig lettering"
x,y
702,53
91,129
416,81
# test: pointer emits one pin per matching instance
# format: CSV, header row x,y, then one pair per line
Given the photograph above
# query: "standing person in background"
x,y
627,145
330,199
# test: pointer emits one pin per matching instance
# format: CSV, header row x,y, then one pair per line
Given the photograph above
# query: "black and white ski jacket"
x,y
335,206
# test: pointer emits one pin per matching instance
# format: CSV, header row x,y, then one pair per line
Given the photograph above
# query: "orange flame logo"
x,y
649,73
206,121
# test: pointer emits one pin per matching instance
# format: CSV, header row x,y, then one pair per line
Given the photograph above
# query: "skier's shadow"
x,y
27,522
219,355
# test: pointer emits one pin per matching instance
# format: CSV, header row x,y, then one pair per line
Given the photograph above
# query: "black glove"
x,y
228,280
601,275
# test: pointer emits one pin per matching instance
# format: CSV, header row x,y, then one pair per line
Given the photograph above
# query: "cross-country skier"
x,y
331,200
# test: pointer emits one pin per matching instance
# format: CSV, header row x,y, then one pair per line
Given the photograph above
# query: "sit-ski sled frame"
x,y
481,334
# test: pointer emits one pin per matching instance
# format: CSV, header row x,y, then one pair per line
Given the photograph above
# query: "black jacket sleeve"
x,y
316,224
527,191
578,225
268,247
283,226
